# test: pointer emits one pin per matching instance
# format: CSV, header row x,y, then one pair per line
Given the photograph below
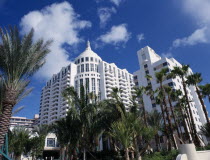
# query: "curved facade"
x,y
90,71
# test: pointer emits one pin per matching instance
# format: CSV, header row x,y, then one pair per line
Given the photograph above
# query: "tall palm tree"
x,y
19,139
182,114
89,116
194,80
205,89
122,132
139,92
155,120
170,94
160,77
205,130
20,58
182,72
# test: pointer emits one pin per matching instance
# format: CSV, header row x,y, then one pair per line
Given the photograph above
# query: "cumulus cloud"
x,y
140,37
200,11
199,36
116,2
167,55
105,14
60,23
117,34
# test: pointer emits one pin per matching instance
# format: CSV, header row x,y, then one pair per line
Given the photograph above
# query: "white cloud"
x,y
200,11
199,36
60,23
167,55
116,2
117,34
140,37
105,14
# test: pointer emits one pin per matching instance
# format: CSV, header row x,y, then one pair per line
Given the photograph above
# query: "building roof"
x,y
88,52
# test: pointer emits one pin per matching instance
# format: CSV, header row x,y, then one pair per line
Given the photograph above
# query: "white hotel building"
x,y
88,68
150,62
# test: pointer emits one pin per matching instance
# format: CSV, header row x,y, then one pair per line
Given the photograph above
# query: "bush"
x,y
203,148
163,155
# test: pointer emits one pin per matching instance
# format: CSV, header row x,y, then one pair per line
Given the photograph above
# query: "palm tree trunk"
x,y
202,103
195,136
144,112
187,123
175,121
84,154
127,154
157,141
165,126
167,115
7,105
136,148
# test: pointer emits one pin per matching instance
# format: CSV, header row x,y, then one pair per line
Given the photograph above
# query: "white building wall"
x,y
150,63
90,71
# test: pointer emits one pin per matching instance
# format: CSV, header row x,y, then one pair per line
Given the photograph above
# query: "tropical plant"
x,y
182,72
37,141
155,121
139,92
205,130
18,141
194,80
20,58
205,89
172,94
160,77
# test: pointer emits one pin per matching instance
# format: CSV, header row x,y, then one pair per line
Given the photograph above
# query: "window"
x,y
82,59
91,67
86,59
82,68
50,142
81,82
165,64
91,59
78,61
145,66
78,69
154,69
143,57
135,77
147,72
87,84
93,85
96,67
87,67
153,105
170,84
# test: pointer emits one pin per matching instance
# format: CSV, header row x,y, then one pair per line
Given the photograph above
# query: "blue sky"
x,y
117,29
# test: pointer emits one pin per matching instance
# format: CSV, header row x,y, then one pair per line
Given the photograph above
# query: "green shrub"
x,y
163,155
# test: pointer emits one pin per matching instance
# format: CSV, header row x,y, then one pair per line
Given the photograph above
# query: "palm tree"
x,y
181,113
88,114
155,121
194,80
205,89
205,130
170,94
139,92
19,139
122,132
182,72
20,58
160,77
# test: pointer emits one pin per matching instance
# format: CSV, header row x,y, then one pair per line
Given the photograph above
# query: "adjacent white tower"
x,y
150,62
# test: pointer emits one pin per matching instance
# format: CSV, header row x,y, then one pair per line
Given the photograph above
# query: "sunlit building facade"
x,y
89,70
